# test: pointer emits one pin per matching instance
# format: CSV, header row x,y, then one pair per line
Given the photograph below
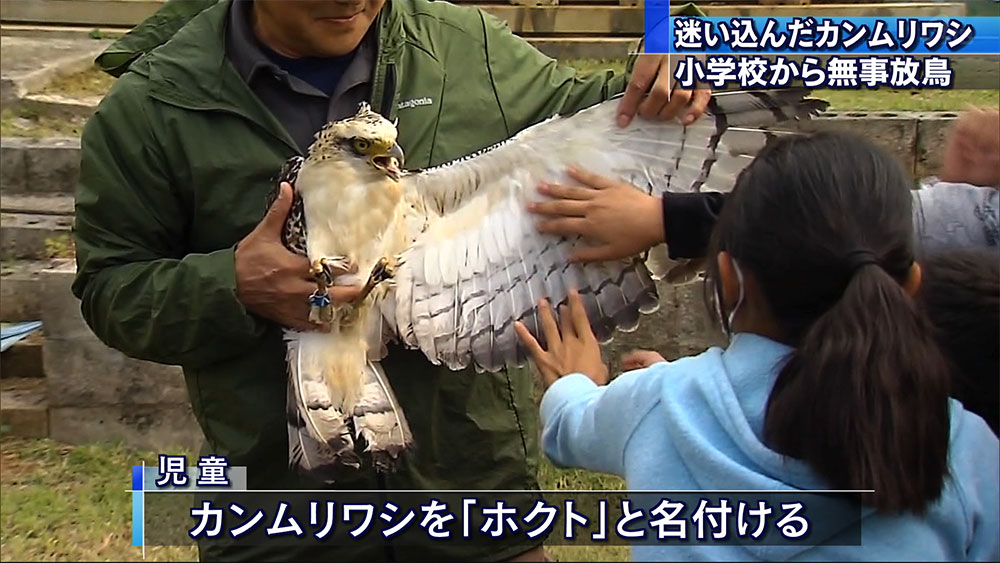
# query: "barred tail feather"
x,y
311,457
762,108
319,440
380,421
640,291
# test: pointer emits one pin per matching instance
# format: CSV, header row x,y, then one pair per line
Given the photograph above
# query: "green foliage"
x,y
26,112
60,246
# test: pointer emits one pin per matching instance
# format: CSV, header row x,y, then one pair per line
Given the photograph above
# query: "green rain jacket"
x,y
176,166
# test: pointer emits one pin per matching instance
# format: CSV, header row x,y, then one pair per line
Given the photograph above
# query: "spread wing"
x,y
477,263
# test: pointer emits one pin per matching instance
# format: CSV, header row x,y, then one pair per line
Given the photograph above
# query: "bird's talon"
x,y
323,269
381,272
321,310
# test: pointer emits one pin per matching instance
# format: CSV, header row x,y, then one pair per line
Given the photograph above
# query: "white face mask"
x,y
726,321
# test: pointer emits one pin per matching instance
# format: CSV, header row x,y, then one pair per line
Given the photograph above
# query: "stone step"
x,y
61,107
39,166
34,236
20,295
96,393
90,393
23,360
40,204
29,64
24,407
41,31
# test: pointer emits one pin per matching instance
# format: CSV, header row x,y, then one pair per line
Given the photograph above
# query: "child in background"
x,y
961,295
832,378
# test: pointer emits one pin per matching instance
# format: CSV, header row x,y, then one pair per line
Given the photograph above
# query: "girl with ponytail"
x,y
832,378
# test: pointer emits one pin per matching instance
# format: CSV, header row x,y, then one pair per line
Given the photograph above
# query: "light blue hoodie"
x,y
696,424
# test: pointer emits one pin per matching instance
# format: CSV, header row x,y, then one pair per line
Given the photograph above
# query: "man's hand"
x,y
619,220
651,76
576,350
640,359
972,149
273,282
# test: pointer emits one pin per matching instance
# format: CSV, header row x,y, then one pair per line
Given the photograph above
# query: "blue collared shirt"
x,y
303,94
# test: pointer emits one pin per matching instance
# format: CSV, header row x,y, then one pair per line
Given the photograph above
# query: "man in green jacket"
x,y
176,265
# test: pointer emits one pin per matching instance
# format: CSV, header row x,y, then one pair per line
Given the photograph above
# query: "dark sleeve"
x,y
141,291
531,87
688,220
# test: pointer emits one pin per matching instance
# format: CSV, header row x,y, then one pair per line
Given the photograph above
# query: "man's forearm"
x,y
180,312
688,218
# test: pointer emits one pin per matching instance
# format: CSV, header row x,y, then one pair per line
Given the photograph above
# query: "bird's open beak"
x,y
391,162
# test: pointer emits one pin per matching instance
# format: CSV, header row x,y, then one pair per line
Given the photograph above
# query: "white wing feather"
x,y
477,264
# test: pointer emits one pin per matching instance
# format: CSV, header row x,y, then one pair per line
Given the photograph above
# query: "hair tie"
x,y
857,259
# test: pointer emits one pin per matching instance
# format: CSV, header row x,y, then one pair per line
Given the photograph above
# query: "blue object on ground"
x,y
14,332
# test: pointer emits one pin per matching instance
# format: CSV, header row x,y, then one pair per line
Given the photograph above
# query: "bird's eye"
x,y
361,145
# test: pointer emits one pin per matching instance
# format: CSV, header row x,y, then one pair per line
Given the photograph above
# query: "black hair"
x,y
823,223
961,296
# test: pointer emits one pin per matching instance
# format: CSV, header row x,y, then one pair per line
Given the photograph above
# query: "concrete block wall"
x,y
915,138
680,327
96,393
42,166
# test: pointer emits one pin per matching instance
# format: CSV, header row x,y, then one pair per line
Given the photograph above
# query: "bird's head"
x,y
366,137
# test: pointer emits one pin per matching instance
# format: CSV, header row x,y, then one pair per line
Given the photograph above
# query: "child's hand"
x,y
574,351
972,149
639,359
619,220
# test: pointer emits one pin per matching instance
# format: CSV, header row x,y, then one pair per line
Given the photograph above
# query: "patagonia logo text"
x,y
414,102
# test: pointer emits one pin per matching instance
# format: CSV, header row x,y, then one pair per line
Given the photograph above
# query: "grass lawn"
x,y
24,123
69,503
909,100
90,82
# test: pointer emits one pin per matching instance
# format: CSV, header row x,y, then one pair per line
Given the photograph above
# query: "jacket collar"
x,y
191,70
250,58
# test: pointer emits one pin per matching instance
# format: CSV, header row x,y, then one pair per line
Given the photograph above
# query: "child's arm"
x,y
585,425
948,216
974,462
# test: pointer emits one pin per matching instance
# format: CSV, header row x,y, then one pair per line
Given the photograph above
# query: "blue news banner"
x,y
208,504
827,51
